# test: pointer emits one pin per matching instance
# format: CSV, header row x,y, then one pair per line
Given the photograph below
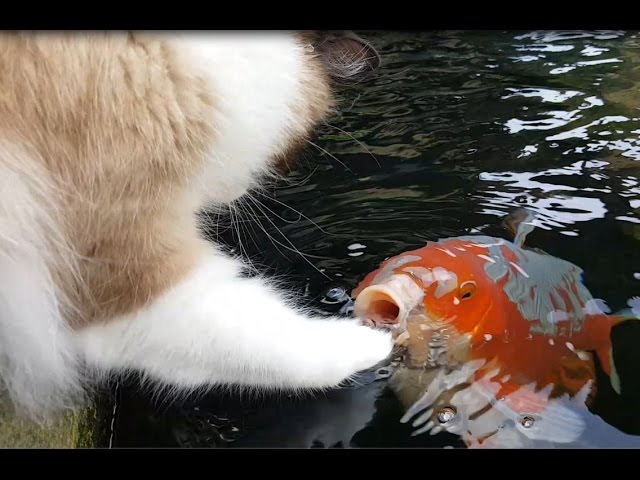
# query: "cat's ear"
x,y
346,56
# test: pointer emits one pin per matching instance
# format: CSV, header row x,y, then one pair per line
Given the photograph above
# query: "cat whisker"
x,y
289,183
353,103
328,153
355,140
278,216
273,241
246,209
238,225
295,211
293,247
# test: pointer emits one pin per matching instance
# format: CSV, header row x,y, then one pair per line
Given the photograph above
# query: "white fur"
x,y
213,328
257,81
38,368
218,328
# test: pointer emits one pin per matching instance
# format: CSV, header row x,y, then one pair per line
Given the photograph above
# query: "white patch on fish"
x,y
447,281
488,336
448,252
488,259
423,274
456,301
570,346
634,304
517,267
557,316
596,306
485,245
443,382
392,265
584,356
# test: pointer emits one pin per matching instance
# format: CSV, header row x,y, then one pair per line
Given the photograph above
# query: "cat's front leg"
x,y
215,327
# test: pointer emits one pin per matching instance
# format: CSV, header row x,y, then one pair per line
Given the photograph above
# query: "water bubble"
x,y
383,373
347,310
335,293
527,421
446,414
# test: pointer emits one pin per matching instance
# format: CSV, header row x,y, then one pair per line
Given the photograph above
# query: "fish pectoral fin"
x,y
608,365
519,222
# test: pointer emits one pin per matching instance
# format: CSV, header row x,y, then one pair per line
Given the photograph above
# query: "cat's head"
x,y
272,90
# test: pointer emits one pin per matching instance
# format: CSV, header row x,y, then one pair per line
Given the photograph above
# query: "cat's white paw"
x,y
372,346
357,348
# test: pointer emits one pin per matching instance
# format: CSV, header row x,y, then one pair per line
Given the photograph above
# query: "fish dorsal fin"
x,y
519,223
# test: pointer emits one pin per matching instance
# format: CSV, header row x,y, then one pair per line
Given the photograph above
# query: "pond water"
x,y
457,129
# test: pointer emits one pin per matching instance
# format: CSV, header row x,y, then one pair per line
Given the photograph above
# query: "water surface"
x,y
457,129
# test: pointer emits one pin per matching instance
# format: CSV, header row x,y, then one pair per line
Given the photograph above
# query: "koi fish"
x,y
493,314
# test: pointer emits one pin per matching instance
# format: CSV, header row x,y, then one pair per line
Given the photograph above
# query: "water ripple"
x,y
465,126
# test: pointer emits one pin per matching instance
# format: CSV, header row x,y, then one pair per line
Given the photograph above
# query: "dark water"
x,y
458,128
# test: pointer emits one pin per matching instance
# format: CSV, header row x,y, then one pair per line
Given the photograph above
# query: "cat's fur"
x,y
109,145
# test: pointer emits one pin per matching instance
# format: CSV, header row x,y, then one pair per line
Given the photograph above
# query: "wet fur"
x,y
110,143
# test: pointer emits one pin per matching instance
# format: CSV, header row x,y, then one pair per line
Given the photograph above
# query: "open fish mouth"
x,y
380,305
389,303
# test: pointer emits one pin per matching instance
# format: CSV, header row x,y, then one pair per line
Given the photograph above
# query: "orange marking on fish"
x,y
531,305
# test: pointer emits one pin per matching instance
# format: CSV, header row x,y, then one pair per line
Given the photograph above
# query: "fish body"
x,y
526,315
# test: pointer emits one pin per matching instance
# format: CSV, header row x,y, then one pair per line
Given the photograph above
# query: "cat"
x,y
110,143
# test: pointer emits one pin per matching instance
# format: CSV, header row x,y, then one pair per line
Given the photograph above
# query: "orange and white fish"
x,y
518,321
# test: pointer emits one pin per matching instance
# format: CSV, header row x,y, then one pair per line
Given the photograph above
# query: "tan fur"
x,y
122,127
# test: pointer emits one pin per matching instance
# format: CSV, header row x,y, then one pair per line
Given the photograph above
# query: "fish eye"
x,y
467,290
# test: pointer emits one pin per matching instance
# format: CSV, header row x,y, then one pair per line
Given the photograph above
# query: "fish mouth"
x,y
379,306
390,302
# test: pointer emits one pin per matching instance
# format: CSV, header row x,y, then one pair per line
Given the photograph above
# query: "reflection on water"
x,y
457,129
